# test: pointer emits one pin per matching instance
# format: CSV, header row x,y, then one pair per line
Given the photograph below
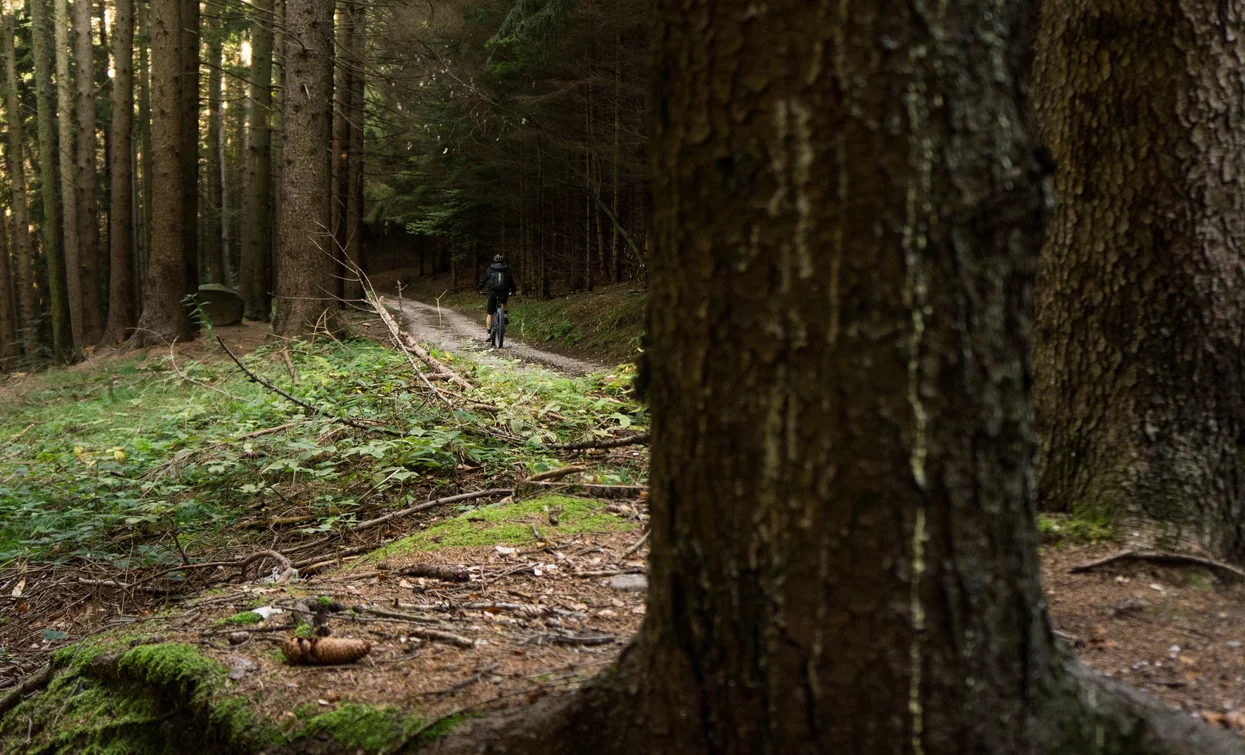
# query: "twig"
x,y
123,586
1161,557
639,439
287,571
289,364
32,683
609,573
477,676
556,474
431,504
294,399
570,639
432,635
638,544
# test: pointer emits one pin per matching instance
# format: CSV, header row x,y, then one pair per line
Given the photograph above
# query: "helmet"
x,y
498,258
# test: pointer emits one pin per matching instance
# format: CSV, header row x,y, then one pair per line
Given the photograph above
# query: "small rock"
x,y
1233,644
629,583
241,668
238,638
1128,605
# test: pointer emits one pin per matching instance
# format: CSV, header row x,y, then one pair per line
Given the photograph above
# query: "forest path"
x,y
454,332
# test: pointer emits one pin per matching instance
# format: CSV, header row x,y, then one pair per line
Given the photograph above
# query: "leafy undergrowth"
x,y
131,460
606,324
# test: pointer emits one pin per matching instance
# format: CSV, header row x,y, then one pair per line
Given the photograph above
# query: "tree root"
x,y
639,439
1160,557
30,684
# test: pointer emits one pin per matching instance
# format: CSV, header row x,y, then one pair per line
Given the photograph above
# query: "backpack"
x,y
499,278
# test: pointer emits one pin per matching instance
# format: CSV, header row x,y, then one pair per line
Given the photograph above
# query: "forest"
x,y
873,377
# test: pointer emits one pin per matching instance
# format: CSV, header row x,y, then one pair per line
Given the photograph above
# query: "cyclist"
x,y
500,285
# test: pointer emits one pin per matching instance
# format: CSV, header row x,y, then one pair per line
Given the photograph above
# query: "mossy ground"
x,y
511,525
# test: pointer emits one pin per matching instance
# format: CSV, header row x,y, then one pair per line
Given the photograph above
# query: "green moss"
x,y
1073,529
359,727
510,525
304,631
245,618
440,729
139,701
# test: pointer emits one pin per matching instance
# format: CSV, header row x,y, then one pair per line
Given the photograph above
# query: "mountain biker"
x,y
500,285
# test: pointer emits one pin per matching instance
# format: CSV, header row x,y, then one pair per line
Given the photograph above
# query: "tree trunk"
x,y
354,162
144,131
188,90
69,190
305,260
615,252
278,128
88,209
1140,394
122,315
164,316
843,542
340,148
50,225
212,206
253,278
10,347
23,259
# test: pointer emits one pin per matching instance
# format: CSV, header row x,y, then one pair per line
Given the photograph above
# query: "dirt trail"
x,y
446,329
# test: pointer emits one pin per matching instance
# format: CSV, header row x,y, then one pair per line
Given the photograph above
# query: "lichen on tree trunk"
x,y
1140,352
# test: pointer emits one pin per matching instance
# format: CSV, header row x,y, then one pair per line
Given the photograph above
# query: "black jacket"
x,y
508,275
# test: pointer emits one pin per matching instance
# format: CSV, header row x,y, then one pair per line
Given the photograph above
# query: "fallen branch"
x,y
602,491
294,399
570,639
556,474
413,346
309,565
432,635
1160,557
638,544
395,333
437,571
639,439
263,524
30,684
431,504
123,585
289,364
286,567
609,573
465,682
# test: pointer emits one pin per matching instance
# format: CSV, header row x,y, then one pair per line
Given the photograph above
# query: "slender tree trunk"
x,y
188,90
843,543
615,252
10,346
1140,356
305,269
340,148
164,317
88,210
69,190
354,164
213,205
256,207
50,225
278,130
122,315
144,131
23,258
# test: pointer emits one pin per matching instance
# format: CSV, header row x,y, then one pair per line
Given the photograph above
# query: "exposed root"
x,y
1160,557
29,685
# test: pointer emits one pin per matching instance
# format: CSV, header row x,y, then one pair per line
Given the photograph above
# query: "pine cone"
x,y
324,651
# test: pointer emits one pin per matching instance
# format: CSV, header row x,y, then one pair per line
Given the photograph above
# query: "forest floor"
x,y
172,456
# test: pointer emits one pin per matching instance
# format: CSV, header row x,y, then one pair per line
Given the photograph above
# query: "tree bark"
x,y
305,258
843,539
340,148
256,210
23,259
278,128
88,210
354,163
188,89
10,347
144,136
69,190
122,314
50,224
164,317
1140,392
212,206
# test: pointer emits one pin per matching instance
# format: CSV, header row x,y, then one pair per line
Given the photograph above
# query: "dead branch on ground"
x,y
1160,557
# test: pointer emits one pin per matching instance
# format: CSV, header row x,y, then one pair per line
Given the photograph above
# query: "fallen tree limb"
x,y
295,400
409,343
30,684
395,333
431,504
638,544
286,567
123,585
639,439
1160,557
432,635
556,474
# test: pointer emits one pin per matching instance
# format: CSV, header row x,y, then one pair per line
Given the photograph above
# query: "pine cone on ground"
x,y
324,651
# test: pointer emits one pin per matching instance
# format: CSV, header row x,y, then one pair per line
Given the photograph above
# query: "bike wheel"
x,y
500,327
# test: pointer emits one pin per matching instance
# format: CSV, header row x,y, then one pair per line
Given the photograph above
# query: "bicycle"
x,y
497,334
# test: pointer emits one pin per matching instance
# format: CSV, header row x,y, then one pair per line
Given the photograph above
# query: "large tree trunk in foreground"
x,y
1140,352
843,543
354,162
189,89
88,218
50,222
122,314
305,259
23,258
164,315
69,191
213,251
256,240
